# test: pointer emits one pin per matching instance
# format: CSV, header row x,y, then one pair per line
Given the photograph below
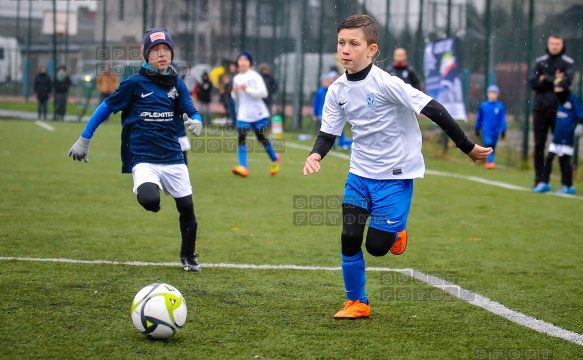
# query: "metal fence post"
x,y
54,57
529,52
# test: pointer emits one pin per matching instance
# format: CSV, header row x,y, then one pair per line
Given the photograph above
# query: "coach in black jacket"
x,y
402,70
553,68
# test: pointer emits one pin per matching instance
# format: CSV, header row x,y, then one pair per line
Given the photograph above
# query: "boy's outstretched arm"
x,y
439,115
322,146
80,150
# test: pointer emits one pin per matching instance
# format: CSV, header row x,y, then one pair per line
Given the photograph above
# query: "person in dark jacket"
x,y
271,85
227,88
402,70
42,90
203,94
568,128
550,70
62,85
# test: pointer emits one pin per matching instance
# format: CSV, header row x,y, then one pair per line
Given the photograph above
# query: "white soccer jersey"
x,y
250,105
381,109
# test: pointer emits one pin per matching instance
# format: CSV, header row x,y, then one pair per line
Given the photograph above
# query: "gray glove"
x,y
579,130
194,126
80,150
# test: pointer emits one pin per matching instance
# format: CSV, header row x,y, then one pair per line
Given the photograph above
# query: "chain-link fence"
x,y
498,40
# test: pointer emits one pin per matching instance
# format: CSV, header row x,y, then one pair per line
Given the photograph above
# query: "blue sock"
x,y
242,151
490,157
354,277
271,152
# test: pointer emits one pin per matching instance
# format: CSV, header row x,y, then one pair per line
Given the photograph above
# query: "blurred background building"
x,y
498,39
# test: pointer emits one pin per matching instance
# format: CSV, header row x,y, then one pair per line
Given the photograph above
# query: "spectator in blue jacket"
x,y
326,80
491,122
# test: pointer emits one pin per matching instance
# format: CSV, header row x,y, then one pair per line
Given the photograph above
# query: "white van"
x,y
10,60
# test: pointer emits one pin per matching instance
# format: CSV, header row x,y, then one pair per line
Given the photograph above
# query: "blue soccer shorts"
x,y
387,201
257,126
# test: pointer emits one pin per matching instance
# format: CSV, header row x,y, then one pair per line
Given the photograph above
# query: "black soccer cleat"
x,y
190,263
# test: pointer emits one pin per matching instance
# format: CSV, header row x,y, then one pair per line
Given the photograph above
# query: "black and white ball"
x,y
159,311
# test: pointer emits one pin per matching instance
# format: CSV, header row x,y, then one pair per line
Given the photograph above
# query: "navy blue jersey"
x,y
567,116
151,120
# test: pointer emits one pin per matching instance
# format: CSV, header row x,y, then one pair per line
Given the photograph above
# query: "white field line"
x,y
446,286
309,148
495,307
44,125
443,173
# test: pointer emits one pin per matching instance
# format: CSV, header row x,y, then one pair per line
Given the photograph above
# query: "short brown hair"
x,y
361,21
557,37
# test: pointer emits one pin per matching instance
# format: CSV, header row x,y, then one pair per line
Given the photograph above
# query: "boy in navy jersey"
x,y
386,153
491,122
150,131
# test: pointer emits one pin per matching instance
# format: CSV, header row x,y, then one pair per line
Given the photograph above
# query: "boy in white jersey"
x,y
249,90
386,153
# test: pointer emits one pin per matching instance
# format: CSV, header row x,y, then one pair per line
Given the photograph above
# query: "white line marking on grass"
x,y
446,286
478,179
496,183
495,307
309,148
44,125
443,173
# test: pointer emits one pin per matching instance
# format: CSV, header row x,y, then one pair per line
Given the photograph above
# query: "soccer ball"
x,y
159,311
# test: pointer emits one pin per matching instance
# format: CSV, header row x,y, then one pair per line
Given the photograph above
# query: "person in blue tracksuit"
x,y
491,123
318,105
567,127
151,151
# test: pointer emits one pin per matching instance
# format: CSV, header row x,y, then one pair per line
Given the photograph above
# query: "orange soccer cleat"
x,y
399,246
241,171
490,165
353,309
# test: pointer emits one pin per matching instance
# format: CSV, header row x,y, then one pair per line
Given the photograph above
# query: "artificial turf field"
x,y
519,249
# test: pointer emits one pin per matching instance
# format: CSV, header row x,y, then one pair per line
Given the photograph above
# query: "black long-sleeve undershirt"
x,y
439,115
433,110
323,144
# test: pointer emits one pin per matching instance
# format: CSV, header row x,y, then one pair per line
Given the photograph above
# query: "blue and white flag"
x,y
442,76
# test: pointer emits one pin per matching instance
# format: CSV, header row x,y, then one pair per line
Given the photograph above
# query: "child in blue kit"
x,y
567,126
153,104
491,121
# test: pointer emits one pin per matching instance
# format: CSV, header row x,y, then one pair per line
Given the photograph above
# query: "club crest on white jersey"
x,y
371,101
381,110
